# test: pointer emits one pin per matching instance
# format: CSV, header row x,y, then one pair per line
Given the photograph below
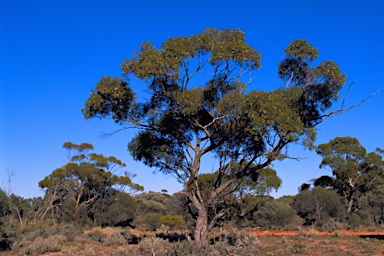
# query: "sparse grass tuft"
x,y
152,246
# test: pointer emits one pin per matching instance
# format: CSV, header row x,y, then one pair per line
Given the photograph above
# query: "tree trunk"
x,y
350,203
201,229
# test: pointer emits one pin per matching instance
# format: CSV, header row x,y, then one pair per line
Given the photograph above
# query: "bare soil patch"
x,y
273,243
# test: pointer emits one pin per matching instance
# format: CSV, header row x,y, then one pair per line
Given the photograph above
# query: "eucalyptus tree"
x,y
355,171
85,178
318,205
197,104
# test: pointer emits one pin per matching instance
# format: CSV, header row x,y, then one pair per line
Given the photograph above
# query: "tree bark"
x,y
201,230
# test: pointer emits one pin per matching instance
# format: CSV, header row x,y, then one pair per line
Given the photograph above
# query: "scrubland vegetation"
x,y
126,221
92,206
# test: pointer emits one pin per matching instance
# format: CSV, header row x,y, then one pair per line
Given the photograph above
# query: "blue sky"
x,y
53,52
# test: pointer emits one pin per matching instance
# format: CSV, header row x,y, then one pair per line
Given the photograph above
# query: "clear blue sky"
x,y
53,52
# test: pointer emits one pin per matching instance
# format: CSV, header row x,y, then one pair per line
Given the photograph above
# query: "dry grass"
x,y
266,243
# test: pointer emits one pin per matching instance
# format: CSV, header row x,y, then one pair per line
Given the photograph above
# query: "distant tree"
x,y
152,196
273,214
324,181
25,210
304,186
86,178
318,204
239,198
4,203
151,206
197,104
355,171
260,183
373,203
286,199
118,209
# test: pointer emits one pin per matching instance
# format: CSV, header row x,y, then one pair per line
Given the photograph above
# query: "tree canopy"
x,y
355,171
84,179
198,104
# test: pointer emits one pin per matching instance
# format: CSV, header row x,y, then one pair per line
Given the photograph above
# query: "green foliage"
x,y
273,214
172,221
39,245
355,171
114,239
152,245
87,178
108,91
287,199
149,221
318,204
354,220
188,114
304,186
115,210
151,206
4,203
373,203
324,181
321,84
301,49
267,180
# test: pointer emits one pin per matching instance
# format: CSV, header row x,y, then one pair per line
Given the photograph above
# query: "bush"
x,y
68,231
329,225
115,239
8,237
272,214
117,210
149,221
40,245
172,221
152,246
318,204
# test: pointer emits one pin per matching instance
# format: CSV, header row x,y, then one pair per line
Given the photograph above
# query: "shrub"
x,y
115,239
68,231
40,245
192,249
329,225
354,220
172,221
152,246
275,214
318,204
150,221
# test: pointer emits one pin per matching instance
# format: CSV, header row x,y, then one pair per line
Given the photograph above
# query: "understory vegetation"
x,y
71,240
85,203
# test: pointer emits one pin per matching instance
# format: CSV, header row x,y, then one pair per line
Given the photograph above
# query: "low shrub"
x,y
152,246
172,221
40,245
115,239
329,225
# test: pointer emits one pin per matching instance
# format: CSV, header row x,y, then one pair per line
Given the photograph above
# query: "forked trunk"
x,y
202,227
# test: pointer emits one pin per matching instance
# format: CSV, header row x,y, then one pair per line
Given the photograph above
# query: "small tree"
x,y
86,178
118,209
273,214
355,172
373,203
318,204
197,104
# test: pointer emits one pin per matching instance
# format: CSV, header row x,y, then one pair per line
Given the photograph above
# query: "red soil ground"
x,y
315,232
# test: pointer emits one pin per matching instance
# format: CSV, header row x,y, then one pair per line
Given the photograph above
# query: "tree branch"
x,y
342,109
